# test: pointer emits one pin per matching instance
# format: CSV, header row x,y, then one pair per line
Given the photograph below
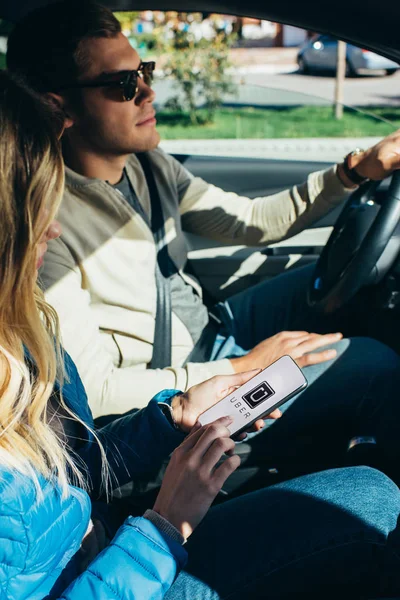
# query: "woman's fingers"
x,y
224,383
226,469
208,432
275,414
259,424
219,447
191,439
217,429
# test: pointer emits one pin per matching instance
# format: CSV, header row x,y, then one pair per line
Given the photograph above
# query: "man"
x,y
103,274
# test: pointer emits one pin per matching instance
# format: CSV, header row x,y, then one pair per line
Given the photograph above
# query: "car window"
x,y
228,85
5,28
252,88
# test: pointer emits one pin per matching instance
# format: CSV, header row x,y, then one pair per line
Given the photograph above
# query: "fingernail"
x,y
197,425
54,228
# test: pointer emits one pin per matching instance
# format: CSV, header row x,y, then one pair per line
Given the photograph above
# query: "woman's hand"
x,y
189,406
191,480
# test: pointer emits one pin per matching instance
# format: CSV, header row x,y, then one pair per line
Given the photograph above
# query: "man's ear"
x,y
60,103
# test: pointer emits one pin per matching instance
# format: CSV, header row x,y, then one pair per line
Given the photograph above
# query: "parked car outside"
x,y
319,54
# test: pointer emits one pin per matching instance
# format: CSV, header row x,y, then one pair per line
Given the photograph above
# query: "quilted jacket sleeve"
x,y
148,563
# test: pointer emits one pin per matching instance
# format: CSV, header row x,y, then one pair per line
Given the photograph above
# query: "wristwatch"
x,y
351,173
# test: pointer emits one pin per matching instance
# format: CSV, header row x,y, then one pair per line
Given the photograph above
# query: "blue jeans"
x,y
356,394
326,535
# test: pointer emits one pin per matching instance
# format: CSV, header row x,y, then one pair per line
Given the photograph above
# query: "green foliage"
x,y
126,18
200,70
280,122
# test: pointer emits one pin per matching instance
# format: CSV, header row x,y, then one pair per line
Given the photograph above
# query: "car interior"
x,y
356,247
224,270
341,262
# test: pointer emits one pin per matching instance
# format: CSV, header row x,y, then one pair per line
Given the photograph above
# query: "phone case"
x,y
259,396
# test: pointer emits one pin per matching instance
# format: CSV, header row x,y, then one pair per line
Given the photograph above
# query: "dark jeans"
x,y
356,394
326,535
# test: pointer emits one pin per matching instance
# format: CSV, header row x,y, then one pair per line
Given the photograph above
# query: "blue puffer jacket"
x,y
39,538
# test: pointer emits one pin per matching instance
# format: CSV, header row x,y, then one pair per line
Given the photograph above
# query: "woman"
x,y
323,533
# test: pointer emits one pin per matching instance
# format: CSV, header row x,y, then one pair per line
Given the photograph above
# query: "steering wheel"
x,y
356,245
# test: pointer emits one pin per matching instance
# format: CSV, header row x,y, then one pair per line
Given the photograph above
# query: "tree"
x,y
127,19
200,68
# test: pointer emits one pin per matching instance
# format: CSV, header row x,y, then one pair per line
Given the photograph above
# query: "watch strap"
x,y
350,172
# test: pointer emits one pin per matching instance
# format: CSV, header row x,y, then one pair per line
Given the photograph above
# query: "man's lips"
x,y
149,119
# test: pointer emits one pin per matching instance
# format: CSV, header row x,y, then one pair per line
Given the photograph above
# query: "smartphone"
x,y
259,396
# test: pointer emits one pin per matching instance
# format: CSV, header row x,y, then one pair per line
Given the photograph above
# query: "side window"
x,y
246,87
234,86
5,28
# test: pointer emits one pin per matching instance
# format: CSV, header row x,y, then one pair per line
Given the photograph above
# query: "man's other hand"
x,y
300,345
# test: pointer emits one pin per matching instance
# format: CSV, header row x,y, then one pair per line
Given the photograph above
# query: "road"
x,y
267,85
358,91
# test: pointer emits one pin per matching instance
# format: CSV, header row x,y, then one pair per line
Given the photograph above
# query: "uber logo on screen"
x,y
259,394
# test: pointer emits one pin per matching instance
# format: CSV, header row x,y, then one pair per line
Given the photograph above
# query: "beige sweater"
x,y
99,275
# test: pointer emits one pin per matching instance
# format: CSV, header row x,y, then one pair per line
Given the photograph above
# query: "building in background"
x,y
251,32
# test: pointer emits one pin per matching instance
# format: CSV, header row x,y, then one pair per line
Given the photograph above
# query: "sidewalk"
x,y
314,149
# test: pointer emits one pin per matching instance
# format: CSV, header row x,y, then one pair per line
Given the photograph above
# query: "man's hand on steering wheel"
x,y
365,241
376,163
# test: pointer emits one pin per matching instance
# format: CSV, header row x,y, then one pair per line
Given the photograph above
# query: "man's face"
x,y
104,123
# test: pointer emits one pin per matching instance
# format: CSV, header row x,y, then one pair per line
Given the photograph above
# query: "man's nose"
x,y
145,93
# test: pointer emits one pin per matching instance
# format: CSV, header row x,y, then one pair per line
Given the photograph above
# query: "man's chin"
x,y
155,141
145,145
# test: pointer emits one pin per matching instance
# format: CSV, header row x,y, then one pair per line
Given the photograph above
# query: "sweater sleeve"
x,y
110,389
140,563
227,217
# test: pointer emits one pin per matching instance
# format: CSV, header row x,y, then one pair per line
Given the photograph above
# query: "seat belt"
x,y
203,349
162,344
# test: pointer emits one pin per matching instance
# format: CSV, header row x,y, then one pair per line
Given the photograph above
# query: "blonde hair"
x,y
31,185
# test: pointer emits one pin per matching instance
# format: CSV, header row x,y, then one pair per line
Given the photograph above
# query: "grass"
x,y
279,122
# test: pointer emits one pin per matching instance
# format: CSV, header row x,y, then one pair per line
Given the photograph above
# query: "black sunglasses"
x,y
128,81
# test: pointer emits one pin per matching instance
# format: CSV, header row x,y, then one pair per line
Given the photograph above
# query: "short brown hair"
x,y
47,48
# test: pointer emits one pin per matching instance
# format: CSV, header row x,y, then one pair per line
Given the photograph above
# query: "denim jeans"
x,y
355,394
326,535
